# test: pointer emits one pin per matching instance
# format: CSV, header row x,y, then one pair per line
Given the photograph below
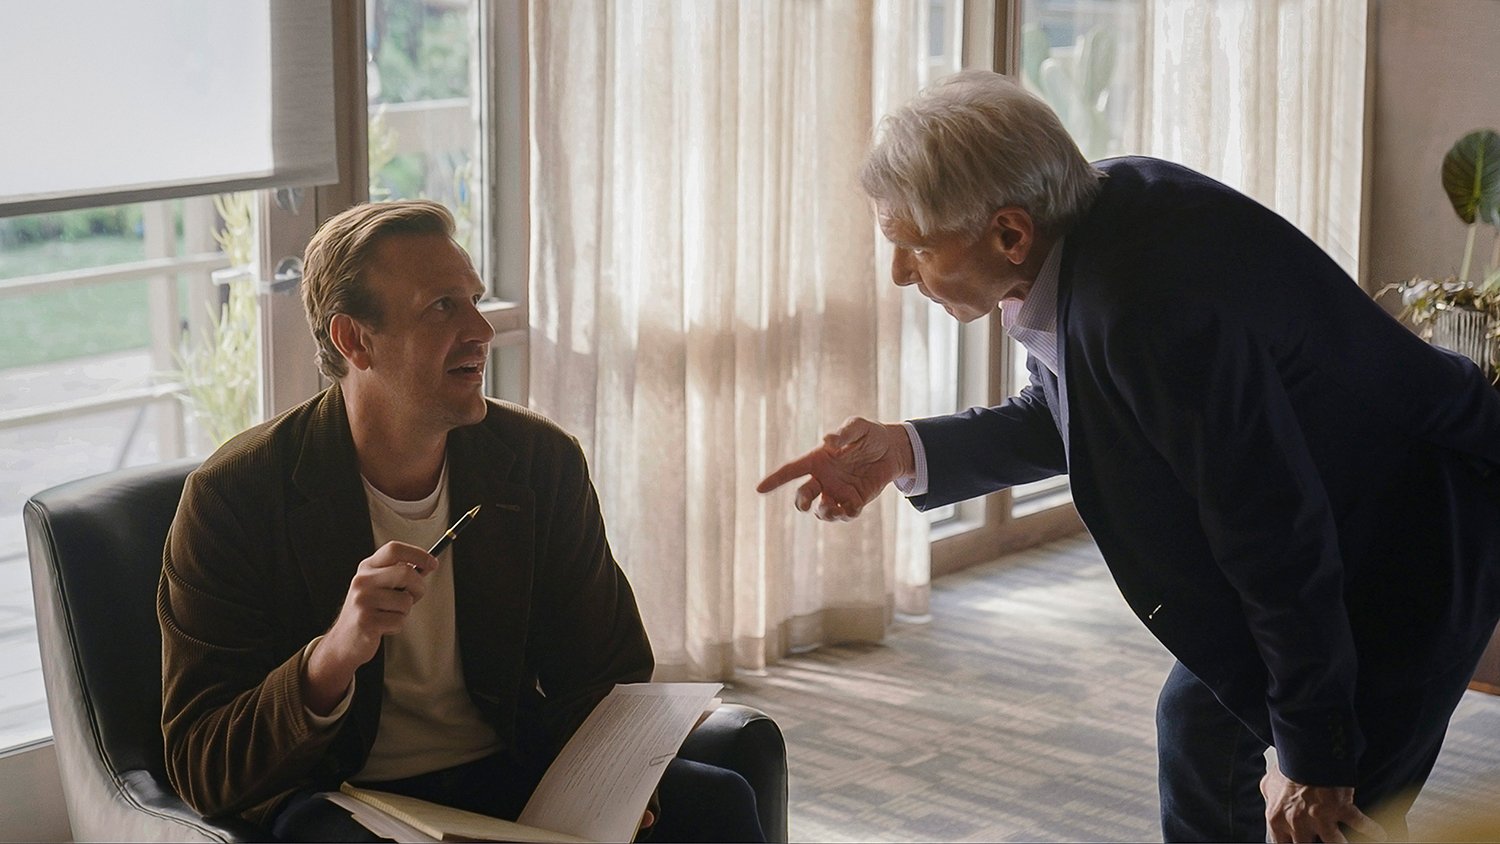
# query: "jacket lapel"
x,y
330,534
330,529
1060,389
492,567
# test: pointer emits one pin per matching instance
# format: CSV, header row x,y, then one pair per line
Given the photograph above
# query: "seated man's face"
x,y
428,355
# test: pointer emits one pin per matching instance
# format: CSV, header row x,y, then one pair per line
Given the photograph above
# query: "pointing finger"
x,y
788,472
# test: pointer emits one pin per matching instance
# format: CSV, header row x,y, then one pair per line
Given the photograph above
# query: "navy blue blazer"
x,y
1295,494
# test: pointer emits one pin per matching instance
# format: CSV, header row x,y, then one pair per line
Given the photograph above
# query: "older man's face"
x,y
967,276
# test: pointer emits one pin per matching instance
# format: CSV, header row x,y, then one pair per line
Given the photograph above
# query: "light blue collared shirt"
x,y
1033,323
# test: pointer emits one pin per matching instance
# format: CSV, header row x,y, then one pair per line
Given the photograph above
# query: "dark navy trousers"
x,y
1209,764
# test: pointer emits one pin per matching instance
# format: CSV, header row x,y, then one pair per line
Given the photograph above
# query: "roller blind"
x,y
111,102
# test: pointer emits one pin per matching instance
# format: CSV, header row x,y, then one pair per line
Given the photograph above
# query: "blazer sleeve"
x,y
233,717
1207,394
587,633
985,449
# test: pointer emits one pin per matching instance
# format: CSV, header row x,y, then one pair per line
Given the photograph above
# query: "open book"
x,y
596,789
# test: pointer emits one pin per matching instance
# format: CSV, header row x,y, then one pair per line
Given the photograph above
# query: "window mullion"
x,y
290,217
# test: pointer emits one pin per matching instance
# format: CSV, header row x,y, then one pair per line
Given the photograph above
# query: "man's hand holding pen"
x,y
385,587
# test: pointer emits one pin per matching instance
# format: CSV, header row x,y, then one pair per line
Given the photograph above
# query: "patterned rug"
x,y
1022,711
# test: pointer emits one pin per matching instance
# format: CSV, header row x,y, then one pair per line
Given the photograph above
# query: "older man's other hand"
x,y
1297,812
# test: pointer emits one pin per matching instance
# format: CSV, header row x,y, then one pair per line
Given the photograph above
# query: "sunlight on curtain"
x,y
1267,96
707,300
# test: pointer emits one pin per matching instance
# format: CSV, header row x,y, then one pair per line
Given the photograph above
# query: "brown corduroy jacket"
x,y
265,542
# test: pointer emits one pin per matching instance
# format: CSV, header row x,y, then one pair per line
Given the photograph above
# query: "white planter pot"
x,y
1470,333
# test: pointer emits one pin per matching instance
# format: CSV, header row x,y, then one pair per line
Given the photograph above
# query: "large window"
x,y
1075,54
424,118
1267,97
131,334
438,74
109,326
977,364
947,340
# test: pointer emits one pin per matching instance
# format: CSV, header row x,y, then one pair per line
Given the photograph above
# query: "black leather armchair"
x,y
96,550
746,740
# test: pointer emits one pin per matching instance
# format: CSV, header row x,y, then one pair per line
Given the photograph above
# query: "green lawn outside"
x,y
75,322
54,256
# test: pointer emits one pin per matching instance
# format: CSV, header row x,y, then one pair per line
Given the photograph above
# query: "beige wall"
x,y
31,799
1435,68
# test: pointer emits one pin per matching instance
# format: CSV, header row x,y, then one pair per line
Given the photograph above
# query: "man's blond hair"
x,y
337,257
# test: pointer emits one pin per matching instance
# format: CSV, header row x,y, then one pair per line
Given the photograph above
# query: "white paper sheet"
x,y
602,780
377,821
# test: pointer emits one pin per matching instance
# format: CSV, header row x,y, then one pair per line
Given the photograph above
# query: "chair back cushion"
x,y
98,543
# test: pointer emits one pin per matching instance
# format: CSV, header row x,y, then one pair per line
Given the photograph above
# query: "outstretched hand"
x,y
848,470
1297,812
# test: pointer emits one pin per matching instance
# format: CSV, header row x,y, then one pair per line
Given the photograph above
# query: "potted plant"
x,y
1458,312
1075,81
220,372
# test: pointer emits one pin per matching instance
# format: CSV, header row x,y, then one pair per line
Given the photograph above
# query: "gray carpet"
x,y
1023,711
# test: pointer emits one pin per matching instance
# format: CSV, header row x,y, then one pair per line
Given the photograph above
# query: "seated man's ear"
x,y
351,339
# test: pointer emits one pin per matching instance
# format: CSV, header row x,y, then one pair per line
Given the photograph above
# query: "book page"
x,y
600,783
376,820
412,819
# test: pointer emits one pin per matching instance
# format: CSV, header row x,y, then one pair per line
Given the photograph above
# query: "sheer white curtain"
x,y
708,298
1266,95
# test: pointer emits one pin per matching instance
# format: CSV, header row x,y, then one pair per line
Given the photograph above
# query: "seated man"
x,y
308,638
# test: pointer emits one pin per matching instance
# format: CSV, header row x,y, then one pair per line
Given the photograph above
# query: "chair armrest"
x,y
746,740
175,820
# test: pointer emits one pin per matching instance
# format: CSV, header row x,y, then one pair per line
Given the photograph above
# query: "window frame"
x,y
288,224
287,220
507,178
989,527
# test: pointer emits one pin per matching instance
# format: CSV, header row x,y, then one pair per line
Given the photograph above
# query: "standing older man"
x,y
1297,496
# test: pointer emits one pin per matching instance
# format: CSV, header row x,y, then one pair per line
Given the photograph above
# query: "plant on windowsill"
x,y
220,371
1454,312
1074,80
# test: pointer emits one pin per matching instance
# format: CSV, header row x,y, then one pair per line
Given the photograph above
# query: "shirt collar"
x,y
1038,311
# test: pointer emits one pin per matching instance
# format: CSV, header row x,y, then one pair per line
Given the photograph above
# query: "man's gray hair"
x,y
970,144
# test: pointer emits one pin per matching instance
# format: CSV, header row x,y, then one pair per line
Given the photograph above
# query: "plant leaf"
x,y
1097,63
1034,50
1471,177
1057,88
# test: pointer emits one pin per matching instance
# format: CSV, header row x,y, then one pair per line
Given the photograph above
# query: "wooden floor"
x,y
1022,711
